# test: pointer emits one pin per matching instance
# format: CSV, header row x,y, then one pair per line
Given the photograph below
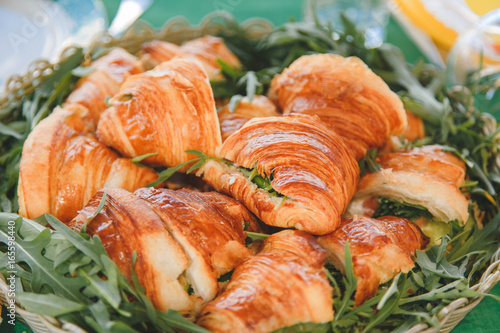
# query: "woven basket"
x,y
178,30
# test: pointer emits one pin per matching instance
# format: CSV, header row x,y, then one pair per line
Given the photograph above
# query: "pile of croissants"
x,y
305,138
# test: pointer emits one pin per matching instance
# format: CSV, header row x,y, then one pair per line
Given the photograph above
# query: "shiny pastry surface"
x,y
284,284
185,240
230,122
110,71
63,166
206,49
167,111
380,249
356,103
307,162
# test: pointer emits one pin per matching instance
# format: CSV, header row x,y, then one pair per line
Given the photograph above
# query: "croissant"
x,y
155,52
206,49
307,164
414,131
110,71
345,94
380,249
184,241
282,285
63,166
424,176
166,111
230,122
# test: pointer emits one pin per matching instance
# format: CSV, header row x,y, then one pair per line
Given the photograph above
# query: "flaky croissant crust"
x,y
309,164
282,285
345,94
230,122
182,238
63,166
424,176
166,111
380,249
110,71
208,50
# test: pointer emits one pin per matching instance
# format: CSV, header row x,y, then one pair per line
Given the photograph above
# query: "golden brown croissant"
x,y
166,111
185,240
63,166
380,249
282,285
424,176
110,71
345,94
230,122
206,49
126,224
305,161
414,131
155,52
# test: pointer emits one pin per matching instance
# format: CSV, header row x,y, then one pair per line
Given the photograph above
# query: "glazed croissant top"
x,y
430,160
425,176
166,111
306,162
230,122
282,285
63,166
183,239
345,94
380,249
110,71
206,49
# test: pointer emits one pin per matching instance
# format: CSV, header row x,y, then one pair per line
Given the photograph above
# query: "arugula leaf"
x,y
263,182
256,235
389,206
30,252
351,282
138,159
369,161
198,163
48,304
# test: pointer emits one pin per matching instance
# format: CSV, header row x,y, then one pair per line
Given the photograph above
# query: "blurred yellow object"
x,y
420,17
481,7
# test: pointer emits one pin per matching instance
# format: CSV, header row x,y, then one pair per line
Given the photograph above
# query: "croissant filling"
x,y
427,177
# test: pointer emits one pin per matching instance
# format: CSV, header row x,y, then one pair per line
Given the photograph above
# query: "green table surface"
x,y
485,318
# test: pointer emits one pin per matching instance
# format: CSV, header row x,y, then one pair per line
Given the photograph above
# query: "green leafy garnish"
x,y
263,182
197,163
98,297
370,162
393,207
138,159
